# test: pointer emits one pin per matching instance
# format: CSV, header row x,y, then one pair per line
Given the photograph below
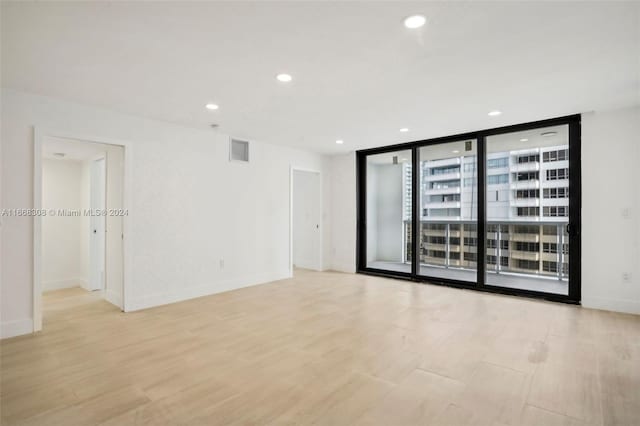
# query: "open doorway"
x,y
78,237
306,217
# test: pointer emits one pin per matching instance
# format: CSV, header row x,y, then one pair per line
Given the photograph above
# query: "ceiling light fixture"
x,y
59,154
494,113
404,130
455,151
212,107
547,134
414,21
284,78
339,141
524,140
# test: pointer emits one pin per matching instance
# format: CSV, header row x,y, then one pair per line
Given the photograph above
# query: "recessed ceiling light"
x,y
212,107
495,113
414,21
59,154
285,78
455,151
404,130
339,141
524,140
546,134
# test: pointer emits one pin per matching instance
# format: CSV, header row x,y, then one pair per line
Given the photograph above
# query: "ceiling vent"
x,y
239,150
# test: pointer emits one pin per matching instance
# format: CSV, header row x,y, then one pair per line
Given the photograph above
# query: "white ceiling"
x,y
72,149
358,73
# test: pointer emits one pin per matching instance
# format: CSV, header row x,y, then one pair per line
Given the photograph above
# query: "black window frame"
x,y
573,228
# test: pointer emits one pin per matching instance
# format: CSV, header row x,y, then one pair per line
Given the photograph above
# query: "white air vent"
x,y
239,150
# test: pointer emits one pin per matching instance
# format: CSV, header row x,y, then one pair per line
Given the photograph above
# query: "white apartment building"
x,y
527,211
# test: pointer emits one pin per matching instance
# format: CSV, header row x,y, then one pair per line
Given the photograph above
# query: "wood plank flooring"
x,y
324,348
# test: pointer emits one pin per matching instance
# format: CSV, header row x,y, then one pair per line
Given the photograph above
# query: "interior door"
x,y
307,216
97,225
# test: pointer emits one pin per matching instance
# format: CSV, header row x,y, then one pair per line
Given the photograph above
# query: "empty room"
x,y
320,213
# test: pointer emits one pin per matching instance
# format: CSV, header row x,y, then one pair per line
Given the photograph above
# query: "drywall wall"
x,y
85,223
114,267
342,181
200,224
306,220
62,236
610,210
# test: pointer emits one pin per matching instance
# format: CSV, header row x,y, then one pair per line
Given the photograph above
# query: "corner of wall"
x,y
16,328
609,304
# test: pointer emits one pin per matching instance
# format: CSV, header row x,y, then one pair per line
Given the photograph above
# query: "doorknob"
x,y
95,231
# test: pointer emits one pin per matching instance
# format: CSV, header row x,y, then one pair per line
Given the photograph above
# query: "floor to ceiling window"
x,y
491,210
388,211
448,210
528,210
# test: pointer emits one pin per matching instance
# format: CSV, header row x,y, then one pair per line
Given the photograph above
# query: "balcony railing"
x,y
519,247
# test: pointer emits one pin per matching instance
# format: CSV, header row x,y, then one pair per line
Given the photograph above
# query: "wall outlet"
x,y
626,277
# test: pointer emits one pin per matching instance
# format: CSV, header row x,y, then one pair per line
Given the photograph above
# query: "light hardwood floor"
x,y
325,348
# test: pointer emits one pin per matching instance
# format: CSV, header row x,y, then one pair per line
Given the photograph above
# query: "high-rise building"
x,y
527,211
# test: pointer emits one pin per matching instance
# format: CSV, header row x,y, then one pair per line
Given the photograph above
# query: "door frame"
x,y
575,205
39,135
293,169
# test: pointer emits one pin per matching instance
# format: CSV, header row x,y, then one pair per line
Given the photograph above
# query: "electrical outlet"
x,y
626,277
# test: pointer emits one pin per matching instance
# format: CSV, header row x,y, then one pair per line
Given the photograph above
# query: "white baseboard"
x,y
615,305
16,328
202,290
343,267
309,264
113,298
60,284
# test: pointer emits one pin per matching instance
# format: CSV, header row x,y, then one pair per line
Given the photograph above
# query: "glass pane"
x,y
528,210
448,210
389,211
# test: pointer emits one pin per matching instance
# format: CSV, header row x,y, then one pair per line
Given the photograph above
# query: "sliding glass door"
x,y
389,212
494,210
527,195
448,210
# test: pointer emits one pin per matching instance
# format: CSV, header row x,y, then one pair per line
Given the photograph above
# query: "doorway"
x,y
306,218
79,236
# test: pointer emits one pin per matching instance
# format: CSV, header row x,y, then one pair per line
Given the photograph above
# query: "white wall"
x,y
388,212
306,216
85,223
62,260
610,186
371,202
114,225
342,174
190,208
611,210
